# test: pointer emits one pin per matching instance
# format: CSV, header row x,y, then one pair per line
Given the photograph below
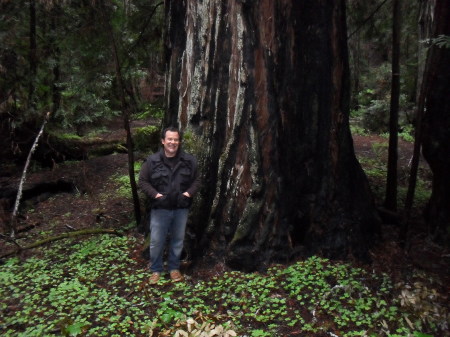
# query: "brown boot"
x,y
176,276
154,278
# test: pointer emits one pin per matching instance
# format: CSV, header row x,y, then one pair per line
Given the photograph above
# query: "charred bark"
x,y
264,88
436,124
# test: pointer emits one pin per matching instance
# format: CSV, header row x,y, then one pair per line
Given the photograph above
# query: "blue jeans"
x,y
163,222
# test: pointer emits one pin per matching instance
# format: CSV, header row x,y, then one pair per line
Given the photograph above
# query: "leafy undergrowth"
x,y
96,288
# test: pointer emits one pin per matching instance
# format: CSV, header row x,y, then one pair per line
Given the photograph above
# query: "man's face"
x,y
171,142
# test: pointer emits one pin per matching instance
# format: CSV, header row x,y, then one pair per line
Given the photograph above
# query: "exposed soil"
x,y
95,202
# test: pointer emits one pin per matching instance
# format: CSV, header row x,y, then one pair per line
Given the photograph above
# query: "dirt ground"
x,y
96,202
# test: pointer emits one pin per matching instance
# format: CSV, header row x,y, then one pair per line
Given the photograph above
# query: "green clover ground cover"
x,y
95,288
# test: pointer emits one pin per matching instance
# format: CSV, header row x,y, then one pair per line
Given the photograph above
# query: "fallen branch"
x,y
8,239
63,236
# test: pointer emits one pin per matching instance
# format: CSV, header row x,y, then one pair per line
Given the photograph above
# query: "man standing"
x,y
170,179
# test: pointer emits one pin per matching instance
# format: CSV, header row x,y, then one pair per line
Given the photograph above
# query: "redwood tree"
x,y
263,88
436,123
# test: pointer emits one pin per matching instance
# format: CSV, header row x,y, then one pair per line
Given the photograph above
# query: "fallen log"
x,y
60,237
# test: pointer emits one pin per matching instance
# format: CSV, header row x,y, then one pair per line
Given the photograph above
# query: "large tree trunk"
x,y
264,87
436,124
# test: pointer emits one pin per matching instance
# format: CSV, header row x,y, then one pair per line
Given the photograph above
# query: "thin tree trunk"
x,y
425,27
414,165
56,93
391,181
126,118
436,126
32,57
24,175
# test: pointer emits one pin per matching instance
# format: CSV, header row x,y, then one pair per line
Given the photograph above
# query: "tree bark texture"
x,y
264,88
425,26
436,124
391,179
56,91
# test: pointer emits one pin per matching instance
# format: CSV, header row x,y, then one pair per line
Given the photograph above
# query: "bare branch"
x,y
24,174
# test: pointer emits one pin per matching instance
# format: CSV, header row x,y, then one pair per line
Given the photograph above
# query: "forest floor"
x,y
98,200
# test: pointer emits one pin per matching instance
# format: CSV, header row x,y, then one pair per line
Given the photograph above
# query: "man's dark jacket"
x,y
171,178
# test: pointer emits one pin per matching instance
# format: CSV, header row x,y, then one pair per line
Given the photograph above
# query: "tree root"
x,y
60,237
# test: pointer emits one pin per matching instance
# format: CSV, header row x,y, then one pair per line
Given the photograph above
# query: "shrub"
x,y
147,138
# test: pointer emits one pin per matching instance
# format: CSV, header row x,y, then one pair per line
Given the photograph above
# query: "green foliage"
x,y
357,130
191,143
147,138
370,47
380,149
365,97
75,295
375,167
372,100
123,182
419,334
442,41
376,172
64,135
149,110
375,115
76,76
85,100
407,133
95,288
422,193
260,333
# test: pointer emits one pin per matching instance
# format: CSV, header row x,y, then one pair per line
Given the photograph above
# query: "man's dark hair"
x,y
171,129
